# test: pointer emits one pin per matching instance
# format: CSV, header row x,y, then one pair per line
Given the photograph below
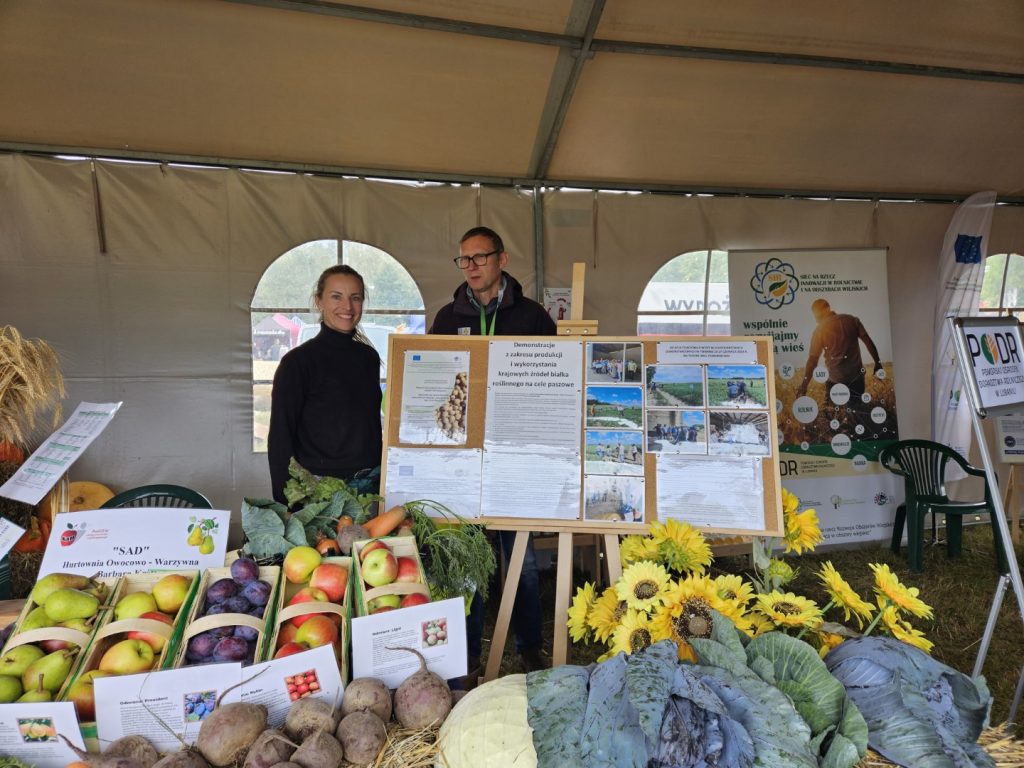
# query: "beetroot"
x,y
423,698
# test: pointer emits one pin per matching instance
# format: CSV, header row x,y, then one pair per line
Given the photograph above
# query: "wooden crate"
x,y
196,625
344,610
82,640
401,546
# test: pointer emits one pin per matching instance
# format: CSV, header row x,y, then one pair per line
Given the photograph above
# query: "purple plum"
x,y
246,633
236,604
230,649
221,590
257,592
244,570
200,647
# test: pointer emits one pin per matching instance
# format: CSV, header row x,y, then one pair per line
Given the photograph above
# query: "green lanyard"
x,y
483,322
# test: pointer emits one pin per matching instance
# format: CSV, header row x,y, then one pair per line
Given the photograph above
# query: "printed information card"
x,y
32,732
134,540
51,460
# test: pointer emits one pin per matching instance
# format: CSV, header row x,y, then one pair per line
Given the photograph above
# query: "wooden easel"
x,y
574,326
1012,502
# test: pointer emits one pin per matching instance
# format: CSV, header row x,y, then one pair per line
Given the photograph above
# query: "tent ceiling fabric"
x,y
311,83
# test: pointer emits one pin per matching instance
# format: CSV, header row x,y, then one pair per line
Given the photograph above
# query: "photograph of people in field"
x,y
614,452
676,432
737,433
675,386
614,499
614,363
615,407
737,386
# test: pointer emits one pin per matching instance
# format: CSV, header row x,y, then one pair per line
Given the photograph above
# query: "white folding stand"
x,y
997,400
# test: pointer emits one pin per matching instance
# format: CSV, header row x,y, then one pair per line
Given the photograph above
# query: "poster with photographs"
x,y
737,386
613,452
614,363
612,406
675,386
739,433
677,432
613,499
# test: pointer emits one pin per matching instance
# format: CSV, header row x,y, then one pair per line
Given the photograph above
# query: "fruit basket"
x,y
216,625
285,630
407,579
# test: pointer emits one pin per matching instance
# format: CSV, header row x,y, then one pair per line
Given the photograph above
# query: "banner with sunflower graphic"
x,y
828,313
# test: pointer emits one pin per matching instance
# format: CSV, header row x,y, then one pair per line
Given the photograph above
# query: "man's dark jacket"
x,y
517,315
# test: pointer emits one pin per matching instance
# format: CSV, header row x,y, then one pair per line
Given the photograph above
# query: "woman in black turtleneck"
x,y
325,408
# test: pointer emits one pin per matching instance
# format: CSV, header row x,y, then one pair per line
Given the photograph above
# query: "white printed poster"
x,y
34,733
828,312
112,542
435,398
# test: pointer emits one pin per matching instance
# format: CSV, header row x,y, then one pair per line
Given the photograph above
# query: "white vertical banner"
x,y
961,270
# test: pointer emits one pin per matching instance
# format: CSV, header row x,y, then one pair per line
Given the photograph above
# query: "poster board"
x,y
1010,438
589,431
991,351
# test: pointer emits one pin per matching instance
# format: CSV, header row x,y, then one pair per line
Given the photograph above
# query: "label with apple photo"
x,y
436,630
276,684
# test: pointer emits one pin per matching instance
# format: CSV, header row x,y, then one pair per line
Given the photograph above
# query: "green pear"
x,y
10,689
39,693
81,625
67,604
99,590
54,581
16,660
36,619
53,669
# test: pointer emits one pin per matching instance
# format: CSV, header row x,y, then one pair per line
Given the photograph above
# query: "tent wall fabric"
x,y
160,319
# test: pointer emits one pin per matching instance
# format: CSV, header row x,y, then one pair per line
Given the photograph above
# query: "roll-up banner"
x,y
828,312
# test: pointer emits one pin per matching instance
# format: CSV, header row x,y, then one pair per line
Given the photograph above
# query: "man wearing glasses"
x,y
490,302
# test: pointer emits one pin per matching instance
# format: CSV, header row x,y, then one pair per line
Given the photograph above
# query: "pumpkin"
x,y
11,452
488,728
35,538
86,495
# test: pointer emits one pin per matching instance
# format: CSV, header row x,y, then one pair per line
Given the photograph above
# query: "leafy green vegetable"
x,y
304,488
556,703
264,527
649,679
623,745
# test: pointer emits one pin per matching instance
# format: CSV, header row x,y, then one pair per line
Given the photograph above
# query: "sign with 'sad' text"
x,y
112,542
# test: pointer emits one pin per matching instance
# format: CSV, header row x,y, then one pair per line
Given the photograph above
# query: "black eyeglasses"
x,y
479,259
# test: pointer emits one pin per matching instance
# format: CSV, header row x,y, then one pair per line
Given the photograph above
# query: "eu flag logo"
x,y
967,249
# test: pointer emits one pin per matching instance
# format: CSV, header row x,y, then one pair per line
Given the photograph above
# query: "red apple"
x,y
383,609
379,567
83,697
155,641
128,657
408,570
415,598
289,648
318,630
384,601
307,595
286,633
332,578
371,547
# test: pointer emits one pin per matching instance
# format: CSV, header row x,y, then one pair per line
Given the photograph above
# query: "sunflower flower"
x,y
802,531
902,630
790,502
681,546
779,573
643,585
843,595
888,589
687,615
634,633
635,548
606,614
788,610
827,641
757,624
733,588
580,609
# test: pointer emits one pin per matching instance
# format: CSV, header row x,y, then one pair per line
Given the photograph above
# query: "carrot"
x,y
385,523
343,522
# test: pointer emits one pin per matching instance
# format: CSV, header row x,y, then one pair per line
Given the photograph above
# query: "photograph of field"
x,y
737,386
675,386
873,418
676,432
614,499
614,452
738,433
615,407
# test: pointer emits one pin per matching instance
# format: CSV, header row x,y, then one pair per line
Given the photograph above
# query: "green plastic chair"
x,y
159,496
922,464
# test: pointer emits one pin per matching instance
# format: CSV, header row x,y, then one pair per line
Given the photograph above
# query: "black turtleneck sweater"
x,y
325,409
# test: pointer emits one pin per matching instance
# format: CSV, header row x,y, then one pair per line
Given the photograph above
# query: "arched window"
x,y
283,313
1002,289
688,296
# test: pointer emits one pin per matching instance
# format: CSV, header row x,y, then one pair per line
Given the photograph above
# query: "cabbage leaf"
x,y
557,702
